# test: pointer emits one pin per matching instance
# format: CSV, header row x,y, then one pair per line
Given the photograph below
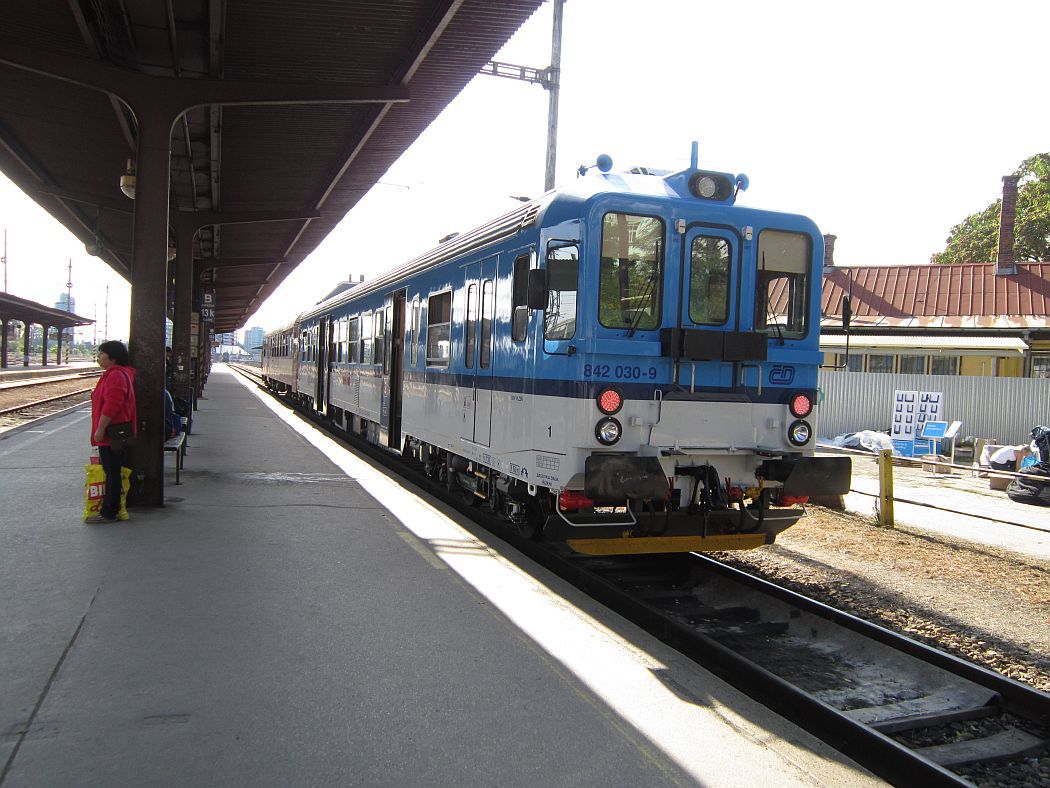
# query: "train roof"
x,y
638,181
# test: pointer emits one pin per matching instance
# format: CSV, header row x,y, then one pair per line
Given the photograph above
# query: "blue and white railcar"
x,y
628,364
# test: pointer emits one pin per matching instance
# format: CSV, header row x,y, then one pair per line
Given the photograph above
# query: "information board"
x,y
911,411
934,430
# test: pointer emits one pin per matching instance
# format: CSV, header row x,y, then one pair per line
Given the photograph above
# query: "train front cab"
x,y
694,333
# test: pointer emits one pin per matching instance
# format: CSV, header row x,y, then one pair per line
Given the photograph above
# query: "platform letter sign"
x,y
208,306
912,409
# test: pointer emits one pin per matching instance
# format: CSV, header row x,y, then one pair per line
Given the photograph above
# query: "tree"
x,y
976,238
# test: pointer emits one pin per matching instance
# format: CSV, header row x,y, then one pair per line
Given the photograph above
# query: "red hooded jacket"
x,y
114,396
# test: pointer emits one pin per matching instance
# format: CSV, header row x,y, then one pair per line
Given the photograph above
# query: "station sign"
x,y
208,314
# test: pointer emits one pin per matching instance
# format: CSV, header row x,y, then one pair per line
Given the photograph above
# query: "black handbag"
x,y
120,435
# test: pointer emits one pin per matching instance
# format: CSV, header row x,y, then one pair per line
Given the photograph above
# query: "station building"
x,y
973,319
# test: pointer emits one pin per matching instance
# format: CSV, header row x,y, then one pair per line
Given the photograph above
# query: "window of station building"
x,y
880,363
487,307
630,274
353,337
710,265
439,330
944,365
915,365
366,338
782,284
469,326
520,298
1041,365
563,273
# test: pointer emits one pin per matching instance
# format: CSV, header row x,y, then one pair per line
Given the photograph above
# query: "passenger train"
x,y
625,365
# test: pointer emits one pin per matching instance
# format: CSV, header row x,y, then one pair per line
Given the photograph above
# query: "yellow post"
x,y
886,488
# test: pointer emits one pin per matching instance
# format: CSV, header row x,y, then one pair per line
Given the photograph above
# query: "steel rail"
x,y
5,411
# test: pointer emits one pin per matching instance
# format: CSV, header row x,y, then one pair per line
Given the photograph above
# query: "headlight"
x,y
607,431
799,433
710,186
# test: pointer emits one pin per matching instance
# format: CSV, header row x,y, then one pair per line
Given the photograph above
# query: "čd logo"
x,y
781,376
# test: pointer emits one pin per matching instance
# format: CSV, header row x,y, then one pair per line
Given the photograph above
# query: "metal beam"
x,y
204,218
231,262
179,95
120,204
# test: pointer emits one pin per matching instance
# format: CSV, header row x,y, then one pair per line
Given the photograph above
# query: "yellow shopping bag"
x,y
95,491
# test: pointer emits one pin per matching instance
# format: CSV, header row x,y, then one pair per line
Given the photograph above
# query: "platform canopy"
x,y
31,313
298,108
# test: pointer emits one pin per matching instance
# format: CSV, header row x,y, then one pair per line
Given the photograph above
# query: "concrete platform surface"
x,y
295,617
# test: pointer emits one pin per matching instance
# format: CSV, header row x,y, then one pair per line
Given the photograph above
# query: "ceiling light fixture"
x,y
127,181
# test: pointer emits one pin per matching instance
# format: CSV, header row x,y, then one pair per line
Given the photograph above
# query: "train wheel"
x,y
536,513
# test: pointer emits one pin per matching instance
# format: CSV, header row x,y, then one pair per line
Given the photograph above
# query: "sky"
x,y
886,124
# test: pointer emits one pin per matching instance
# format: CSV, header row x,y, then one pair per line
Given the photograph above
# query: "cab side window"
x,y
782,284
519,308
563,264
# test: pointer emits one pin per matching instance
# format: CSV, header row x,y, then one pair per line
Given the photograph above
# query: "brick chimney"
x,y
829,250
1004,259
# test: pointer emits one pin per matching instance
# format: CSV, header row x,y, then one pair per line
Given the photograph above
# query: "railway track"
x,y
910,713
25,401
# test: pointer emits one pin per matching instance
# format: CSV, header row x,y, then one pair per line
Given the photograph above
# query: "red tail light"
x,y
791,500
570,500
801,405
610,401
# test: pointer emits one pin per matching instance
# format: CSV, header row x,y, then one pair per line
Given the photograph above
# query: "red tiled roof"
x,y
896,294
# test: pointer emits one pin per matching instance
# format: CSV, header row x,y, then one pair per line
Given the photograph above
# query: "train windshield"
x,y
631,269
782,284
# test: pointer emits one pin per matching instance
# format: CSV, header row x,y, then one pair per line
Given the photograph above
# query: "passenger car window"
x,y
439,330
413,345
782,284
487,307
354,338
469,326
710,264
630,274
366,338
563,263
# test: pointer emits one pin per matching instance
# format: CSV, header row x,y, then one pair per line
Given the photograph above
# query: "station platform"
x,y
293,616
18,373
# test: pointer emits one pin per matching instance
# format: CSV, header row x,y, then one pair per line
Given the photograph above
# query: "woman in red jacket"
x,y
112,402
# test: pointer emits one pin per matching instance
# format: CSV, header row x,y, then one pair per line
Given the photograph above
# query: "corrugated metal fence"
x,y
1002,408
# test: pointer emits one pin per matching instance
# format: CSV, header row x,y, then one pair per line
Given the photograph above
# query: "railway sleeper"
x,y
950,699
1007,745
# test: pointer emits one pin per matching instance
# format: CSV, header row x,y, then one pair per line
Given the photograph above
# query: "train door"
x,y
323,346
393,367
478,346
710,302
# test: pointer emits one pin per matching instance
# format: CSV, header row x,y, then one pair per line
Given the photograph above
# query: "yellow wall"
x,y
1012,367
977,365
